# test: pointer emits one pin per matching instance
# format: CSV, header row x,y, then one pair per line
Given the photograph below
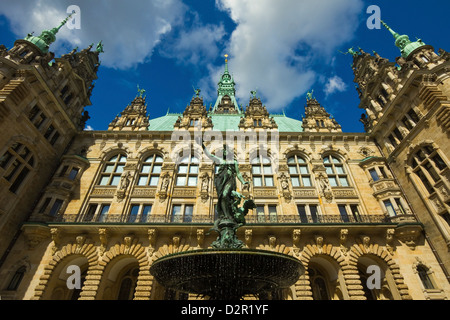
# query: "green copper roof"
x,y
47,37
403,42
224,122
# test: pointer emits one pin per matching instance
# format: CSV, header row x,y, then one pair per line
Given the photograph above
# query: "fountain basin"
x,y
227,274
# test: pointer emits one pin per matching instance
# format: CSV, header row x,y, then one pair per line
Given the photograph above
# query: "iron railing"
x,y
250,219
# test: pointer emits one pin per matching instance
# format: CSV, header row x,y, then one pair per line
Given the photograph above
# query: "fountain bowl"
x,y
227,274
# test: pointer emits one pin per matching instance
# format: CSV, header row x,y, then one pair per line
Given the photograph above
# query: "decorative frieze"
x,y
144,192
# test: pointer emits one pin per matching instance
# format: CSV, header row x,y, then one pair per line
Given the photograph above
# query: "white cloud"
x,y
194,43
88,128
276,42
335,84
130,30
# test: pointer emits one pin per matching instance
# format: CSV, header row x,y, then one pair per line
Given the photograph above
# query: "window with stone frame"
x,y
182,213
425,278
309,213
395,206
377,173
112,170
266,213
336,172
139,213
319,284
428,165
299,172
16,279
128,284
262,171
187,172
37,116
150,171
97,212
17,163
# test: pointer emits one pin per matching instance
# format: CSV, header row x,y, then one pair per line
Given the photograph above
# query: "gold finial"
x,y
226,57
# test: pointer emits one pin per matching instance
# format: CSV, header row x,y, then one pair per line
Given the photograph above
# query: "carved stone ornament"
x,y
389,240
200,237
152,234
248,237
55,234
343,241
325,187
103,235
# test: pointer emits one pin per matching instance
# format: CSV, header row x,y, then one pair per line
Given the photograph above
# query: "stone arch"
x,y
303,286
80,247
178,245
142,154
332,150
128,247
416,147
298,151
359,250
108,153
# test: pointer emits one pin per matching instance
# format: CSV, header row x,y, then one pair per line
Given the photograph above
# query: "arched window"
x,y
113,170
150,171
262,171
427,164
424,277
128,284
187,174
16,279
17,162
299,172
335,171
318,285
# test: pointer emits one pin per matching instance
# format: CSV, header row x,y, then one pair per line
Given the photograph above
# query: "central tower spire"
x,y
226,100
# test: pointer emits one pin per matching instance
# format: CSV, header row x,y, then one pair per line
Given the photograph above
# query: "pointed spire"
x,y
47,37
395,34
226,63
403,42
226,89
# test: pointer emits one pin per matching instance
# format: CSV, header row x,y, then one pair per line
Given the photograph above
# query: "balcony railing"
x,y
251,219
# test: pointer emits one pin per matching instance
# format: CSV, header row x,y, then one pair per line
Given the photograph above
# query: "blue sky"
x,y
282,48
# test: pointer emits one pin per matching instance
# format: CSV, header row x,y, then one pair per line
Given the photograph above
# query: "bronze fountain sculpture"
x,y
227,271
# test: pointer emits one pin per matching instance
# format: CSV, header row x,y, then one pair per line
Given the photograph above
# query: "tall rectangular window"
x,y
302,213
56,207
390,208
104,213
313,211
374,174
182,213
273,214
133,213
343,213
146,211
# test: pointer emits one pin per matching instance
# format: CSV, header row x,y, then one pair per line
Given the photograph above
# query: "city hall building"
x,y
112,202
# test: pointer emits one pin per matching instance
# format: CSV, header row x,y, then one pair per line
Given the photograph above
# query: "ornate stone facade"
x,y
112,202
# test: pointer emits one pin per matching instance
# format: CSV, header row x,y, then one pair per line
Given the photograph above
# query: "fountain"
x,y
227,271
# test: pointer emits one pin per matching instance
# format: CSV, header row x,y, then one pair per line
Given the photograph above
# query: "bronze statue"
x,y
230,215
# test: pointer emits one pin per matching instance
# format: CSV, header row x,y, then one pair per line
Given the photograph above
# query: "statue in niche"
x,y
125,181
205,182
